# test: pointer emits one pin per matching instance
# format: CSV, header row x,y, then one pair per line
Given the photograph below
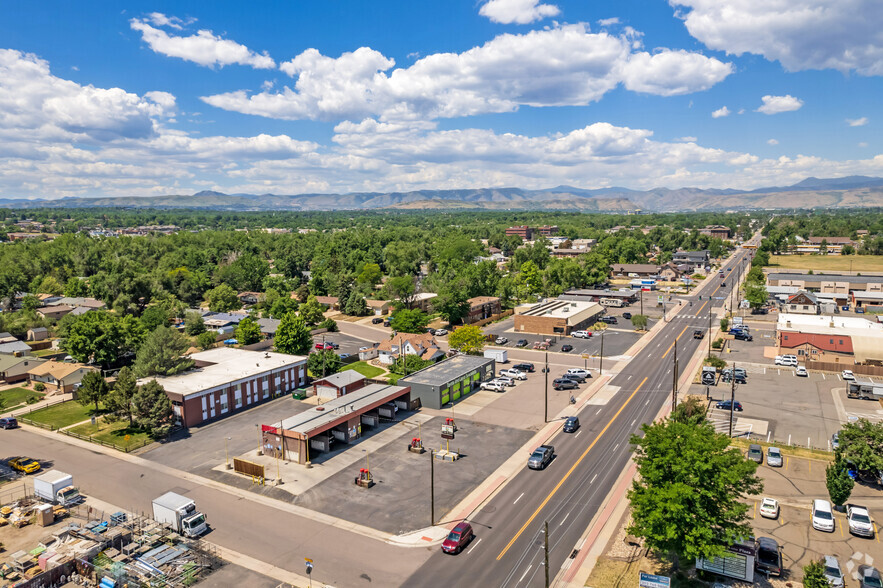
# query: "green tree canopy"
x,y
248,331
814,575
206,339
370,275
311,311
323,363
409,364
356,304
119,400
222,299
153,409
639,321
93,389
400,290
409,321
99,336
75,288
293,336
861,444
153,317
194,324
468,339
756,295
452,302
161,354
838,482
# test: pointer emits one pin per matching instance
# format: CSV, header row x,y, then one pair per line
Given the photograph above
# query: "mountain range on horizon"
x,y
845,192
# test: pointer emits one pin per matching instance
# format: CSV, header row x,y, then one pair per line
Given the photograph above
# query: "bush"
x,y
32,400
718,344
714,360
329,324
39,387
206,340
725,324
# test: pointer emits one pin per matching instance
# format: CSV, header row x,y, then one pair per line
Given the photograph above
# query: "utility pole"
x,y
431,488
546,394
546,550
674,380
324,355
641,296
732,397
709,328
601,360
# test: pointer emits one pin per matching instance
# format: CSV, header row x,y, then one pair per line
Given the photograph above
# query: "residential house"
x,y
695,259
338,384
222,322
59,376
802,303
55,312
670,272
329,302
38,334
92,303
378,307
423,345
482,307
15,348
268,327
7,338
634,270
249,298
15,368
423,301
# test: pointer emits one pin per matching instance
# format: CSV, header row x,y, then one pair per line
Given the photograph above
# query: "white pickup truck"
x,y
514,374
859,521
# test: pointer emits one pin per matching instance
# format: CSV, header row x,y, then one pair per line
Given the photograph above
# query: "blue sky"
x,y
147,98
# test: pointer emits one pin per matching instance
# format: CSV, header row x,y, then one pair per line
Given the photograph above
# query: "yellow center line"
x,y
673,343
569,472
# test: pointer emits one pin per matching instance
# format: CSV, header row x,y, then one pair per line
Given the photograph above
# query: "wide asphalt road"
x,y
508,547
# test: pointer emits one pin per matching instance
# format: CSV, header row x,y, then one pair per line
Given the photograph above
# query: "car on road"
x,y
869,577
493,386
774,457
847,375
859,520
627,315
835,441
514,374
723,284
26,465
521,343
571,424
505,380
698,334
769,508
377,320
8,423
725,405
564,384
525,367
768,557
789,360
822,516
501,340
582,334
441,332
833,571
755,453
801,371
458,538
566,348
541,457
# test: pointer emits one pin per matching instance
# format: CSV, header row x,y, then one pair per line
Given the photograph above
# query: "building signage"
x,y
447,431
653,581
737,563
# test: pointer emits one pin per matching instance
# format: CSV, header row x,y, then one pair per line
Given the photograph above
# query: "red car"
x,y
458,538
327,346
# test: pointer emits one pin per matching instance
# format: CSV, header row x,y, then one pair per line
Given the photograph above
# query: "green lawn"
x,y
17,397
115,433
369,371
61,415
43,352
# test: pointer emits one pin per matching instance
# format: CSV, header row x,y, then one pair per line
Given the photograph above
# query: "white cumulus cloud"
x,y
721,112
517,11
607,22
778,104
566,65
846,35
203,48
857,122
772,142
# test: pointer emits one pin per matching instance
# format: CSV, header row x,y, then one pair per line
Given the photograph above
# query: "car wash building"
x,y
449,380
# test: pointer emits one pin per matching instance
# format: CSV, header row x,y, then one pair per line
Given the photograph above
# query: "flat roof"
x,y
825,278
228,365
607,293
826,321
361,400
868,295
447,370
560,308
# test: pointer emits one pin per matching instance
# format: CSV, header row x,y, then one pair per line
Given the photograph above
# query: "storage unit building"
x,y
449,380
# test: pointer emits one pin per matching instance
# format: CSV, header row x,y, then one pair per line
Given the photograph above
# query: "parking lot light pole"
x,y
226,454
601,358
546,393
431,488
732,397
260,439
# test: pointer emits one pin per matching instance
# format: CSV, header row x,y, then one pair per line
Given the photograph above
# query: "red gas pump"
x,y
416,445
364,478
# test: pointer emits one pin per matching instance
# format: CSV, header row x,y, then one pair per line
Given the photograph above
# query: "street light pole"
x,y
546,550
260,439
431,488
601,359
732,397
546,393
226,453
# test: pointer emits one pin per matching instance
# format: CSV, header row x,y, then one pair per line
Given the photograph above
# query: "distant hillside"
x,y
852,191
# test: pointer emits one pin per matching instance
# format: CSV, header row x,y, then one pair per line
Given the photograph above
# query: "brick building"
x,y
523,231
226,380
338,384
558,317
847,340
482,307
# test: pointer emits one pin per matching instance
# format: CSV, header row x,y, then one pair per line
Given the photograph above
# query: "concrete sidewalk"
x,y
47,401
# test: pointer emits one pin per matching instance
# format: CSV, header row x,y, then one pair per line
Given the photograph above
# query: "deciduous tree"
x,y
814,575
311,311
323,363
409,321
861,444
222,299
194,324
468,339
293,336
639,321
248,331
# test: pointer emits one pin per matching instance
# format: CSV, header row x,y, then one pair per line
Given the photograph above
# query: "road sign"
x,y
653,581
586,356
447,431
309,563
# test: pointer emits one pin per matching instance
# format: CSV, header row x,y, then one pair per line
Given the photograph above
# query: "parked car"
x,y
579,372
801,371
386,322
566,348
727,377
847,375
541,457
822,516
768,558
790,360
441,332
833,572
431,331
627,315
774,457
835,441
458,538
582,334
571,424
698,334
344,356
525,367
610,320
514,374
501,340
377,320
8,423
869,577
505,380
493,386
564,384
575,377
725,405
755,453
769,508
521,343
26,465
859,520
743,336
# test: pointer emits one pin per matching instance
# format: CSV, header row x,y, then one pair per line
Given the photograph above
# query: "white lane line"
x,y
599,411
629,378
473,547
634,421
648,402
564,519
525,572
593,479
615,447
577,434
519,498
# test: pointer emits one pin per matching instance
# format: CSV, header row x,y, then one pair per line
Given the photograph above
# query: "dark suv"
x,y
8,423
541,457
525,367
377,320
564,384
571,424
769,558
610,320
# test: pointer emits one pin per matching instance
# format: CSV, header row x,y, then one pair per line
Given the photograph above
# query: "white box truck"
x,y
498,355
179,512
56,487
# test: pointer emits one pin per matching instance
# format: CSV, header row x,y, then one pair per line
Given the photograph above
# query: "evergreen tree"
x,y
119,401
162,354
153,409
293,336
93,389
814,575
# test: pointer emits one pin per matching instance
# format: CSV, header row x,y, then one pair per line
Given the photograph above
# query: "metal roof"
x,y
357,402
447,370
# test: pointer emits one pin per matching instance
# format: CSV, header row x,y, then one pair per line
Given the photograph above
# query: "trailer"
x,y
179,512
865,388
498,355
56,487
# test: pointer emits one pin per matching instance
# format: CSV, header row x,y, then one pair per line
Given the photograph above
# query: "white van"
x,y
610,302
822,516
579,372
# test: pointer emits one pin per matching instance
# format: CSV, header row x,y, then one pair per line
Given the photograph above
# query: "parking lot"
x,y
617,338
795,485
348,344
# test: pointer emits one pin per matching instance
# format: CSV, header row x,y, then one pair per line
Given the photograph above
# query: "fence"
x,y
249,468
491,319
91,439
830,366
33,408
